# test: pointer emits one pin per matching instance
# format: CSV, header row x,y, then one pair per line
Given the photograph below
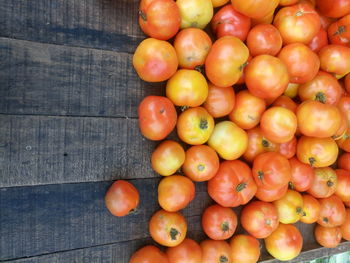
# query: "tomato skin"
x,y
218,3
290,207
302,175
339,31
167,158
324,183
255,8
311,208
155,60
292,90
264,20
334,8
121,198
160,25
318,152
271,170
247,110
285,242
285,102
344,161
229,22
302,64
270,195
215,251
288,2
344,107
187,252
344,141
343,186
328,236
245,249
192,46
298,23
219,223
195,13
148,254
345,228
332,212
335,59
225,61
319,41
266,77
168,228
347,83
220,101
232,185
157,117
228,140
288,149
259,218
201,163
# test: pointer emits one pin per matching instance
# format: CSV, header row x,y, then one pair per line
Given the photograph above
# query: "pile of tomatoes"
x,y
259,94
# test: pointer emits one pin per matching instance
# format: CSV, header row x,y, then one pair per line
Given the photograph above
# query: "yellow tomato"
x,y
217,3
292,90
195,13
290,207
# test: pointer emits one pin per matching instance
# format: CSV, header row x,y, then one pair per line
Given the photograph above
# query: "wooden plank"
x,y
44,79
101,24
50,218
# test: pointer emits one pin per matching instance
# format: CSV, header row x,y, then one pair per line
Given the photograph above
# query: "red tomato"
x,y
270,195
266,77
319,41
285,242
288,149
157,117
344,161
345,228
328,236
228,22
302,175
245,249
339,31
232,185
148,254
259,218
192,46
290,207
334,8
247,110
344,141
201,163
325,21
121,198
160,25
168,228
332,212
271,170
219,223
220,101
324,183
297,23
343,186
255,8
335,59
155,60
216,251
342,128
285,102
226,60
311,209
302,64
187,252
344,107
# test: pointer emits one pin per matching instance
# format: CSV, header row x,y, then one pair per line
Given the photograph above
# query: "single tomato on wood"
x,y
220,101
187,252
328,236
343,186
324,183
245,249
302,175
311,209
149,254
345,228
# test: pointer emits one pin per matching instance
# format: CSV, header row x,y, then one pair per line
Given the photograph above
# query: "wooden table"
x,y
68,127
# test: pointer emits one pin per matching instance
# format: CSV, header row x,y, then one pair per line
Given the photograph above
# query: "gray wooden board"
x,y
46,79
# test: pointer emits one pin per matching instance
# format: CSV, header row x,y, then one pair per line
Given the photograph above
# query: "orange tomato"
x,y
347,83
270,195
302,175
344,107
255,8
332,212
344,141
245,249
334,8
344,161
311,209
187,252
216,251
338,31
335,59
345,228
148,254
319,41
288,2
220,101
324,183
328,236
285,102
292,90
288,149
217,3
343,186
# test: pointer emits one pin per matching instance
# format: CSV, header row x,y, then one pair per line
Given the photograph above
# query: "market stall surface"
x,y
68,128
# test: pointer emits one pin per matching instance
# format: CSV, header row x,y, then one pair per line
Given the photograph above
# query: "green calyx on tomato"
x,y
312,160
225,226
240,187
143,15
321,97
203,124
223,259
173,233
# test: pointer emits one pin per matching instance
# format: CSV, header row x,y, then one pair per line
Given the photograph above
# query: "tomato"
x,y
187,252
168,228
328,236
297,23
318,152
271,170
285,242
264,20
245,249
192,46
333,8
247,110
335,59
220,101
201,163
311,208
148,254
302,175
345,228
195,13
160,25
187,87
344,141
155,60
270,195
324,183
266,77
339,31
344,161
324,88
225,61
218,3
292,90
342,128
255,8
319,120
288,2
157,117
257,144
347,204
332,212
347,83
318,41
285,102
264,39
259,218
289,207
278,124
343,186
344,107
232,185
167,158
302,64
121,198
195,125
288,149
216,251
219,223
228,140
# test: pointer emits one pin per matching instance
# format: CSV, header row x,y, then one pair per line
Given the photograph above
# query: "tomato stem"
x,y
260,175
173,233
200,167
325,219
203,125
225,226
340,30
143,15
312,160
291,185
223,259
300,211
241,187
265,143
330,183
321,97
